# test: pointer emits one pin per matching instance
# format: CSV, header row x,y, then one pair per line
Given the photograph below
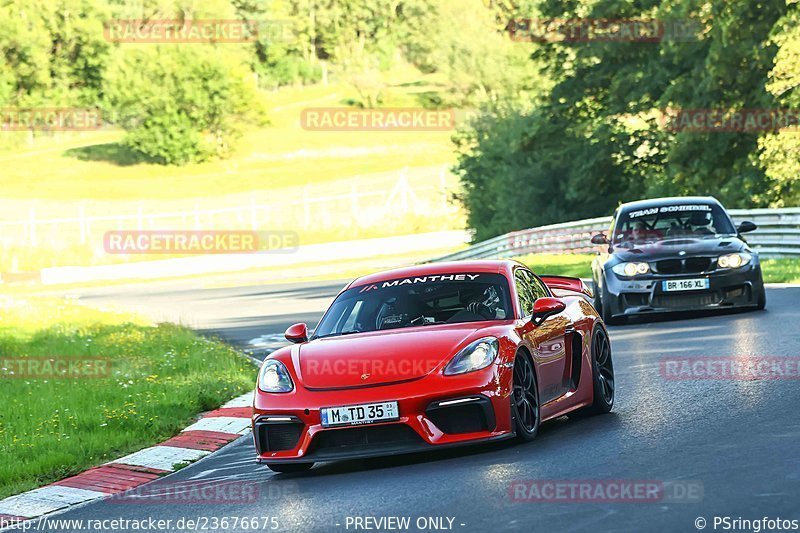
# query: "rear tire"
x,y
602,375
525,398
289,468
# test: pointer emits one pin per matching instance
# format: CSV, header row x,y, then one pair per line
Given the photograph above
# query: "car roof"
x,y
495,266
657,202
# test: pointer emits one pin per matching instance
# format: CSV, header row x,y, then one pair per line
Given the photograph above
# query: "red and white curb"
x,y
210,433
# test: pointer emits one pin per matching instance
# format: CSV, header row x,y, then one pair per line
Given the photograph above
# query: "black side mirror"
x,y
746,226
599,239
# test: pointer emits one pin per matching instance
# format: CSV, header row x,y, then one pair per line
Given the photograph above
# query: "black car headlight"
x,y
274,377
475,356
739,259
630,270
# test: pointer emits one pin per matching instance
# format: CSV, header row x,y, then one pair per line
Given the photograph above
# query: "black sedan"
x,y
674,254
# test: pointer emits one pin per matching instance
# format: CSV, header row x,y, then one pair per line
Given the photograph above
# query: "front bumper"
x,y
727,289
287,427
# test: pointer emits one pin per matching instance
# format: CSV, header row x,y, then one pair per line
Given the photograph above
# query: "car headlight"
x,y
733,260
274,377
475,356
630,269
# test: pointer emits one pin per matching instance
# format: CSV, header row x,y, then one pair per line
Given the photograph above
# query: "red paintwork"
x,y
297,333
567,284
548,306
436,345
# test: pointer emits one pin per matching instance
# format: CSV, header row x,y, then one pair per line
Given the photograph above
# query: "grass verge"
x,y
159,378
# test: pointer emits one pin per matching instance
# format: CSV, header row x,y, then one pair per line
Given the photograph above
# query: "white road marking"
x,y
46,500
245,400
224,424
162,457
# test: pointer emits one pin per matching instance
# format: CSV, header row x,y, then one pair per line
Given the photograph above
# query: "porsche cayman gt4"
x,y
429,357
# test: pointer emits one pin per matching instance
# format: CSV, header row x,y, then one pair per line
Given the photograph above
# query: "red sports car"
x,y
432,356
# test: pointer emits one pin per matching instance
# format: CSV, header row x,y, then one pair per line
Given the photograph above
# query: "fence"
x,y
778,235
49,233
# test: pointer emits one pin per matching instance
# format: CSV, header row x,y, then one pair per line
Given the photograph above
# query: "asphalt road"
x,y
733,443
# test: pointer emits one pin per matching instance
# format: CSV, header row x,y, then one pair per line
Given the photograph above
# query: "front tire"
x,y
761,301
525,399
289,468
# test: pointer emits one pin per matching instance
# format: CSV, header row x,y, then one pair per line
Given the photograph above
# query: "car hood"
x,y
672,248
381,357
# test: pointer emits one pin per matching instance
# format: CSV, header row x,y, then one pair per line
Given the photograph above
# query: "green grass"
x,y
160,378
774,270
575,265
781,270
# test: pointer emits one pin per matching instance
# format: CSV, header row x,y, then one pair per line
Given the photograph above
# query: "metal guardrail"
x,y
778,235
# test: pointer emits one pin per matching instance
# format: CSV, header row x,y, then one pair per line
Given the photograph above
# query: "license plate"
x,y
355,415
685,284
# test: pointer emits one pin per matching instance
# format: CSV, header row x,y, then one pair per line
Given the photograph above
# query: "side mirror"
x,y
746,226
545,307
599,239
297,333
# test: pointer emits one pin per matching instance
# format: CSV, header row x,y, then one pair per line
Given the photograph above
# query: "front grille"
x,y
467,418
690,265
278,437
669,266
694,299
349,439
697,264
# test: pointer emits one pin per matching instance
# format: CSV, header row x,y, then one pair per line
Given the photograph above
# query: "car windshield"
x,y
418,301
668,222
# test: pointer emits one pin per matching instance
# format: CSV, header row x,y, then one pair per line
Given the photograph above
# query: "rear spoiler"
x,y
565,283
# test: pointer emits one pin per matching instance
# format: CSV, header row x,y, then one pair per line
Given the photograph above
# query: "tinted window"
x,y
418,301
640,226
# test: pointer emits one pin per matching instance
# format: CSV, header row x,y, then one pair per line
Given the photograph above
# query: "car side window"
x,y
524,292
537,286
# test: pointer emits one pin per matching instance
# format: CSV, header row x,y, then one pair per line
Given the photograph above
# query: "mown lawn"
x,y
774,270
159,378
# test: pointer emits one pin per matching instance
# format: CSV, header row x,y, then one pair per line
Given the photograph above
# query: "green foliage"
x,y
179,104
596,139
